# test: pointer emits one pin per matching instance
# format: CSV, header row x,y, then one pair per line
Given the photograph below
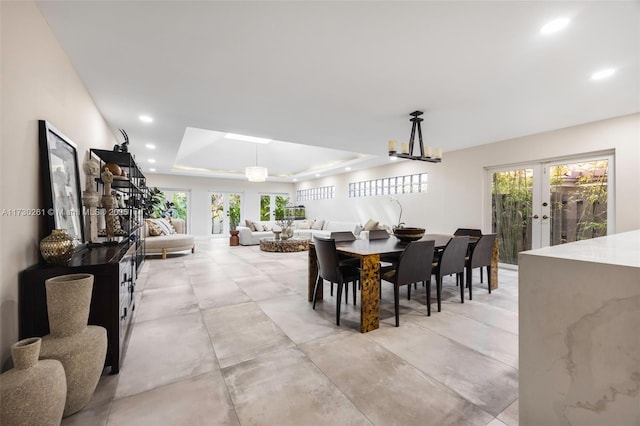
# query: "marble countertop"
x,y
617,249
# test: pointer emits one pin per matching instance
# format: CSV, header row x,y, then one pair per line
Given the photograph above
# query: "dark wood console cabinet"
x,y
112,300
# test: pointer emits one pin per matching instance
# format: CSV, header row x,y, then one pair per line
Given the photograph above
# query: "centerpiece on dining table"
x,y
406,233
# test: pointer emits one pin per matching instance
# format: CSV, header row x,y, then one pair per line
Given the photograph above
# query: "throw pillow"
x,y
318,224
154,230
266,227
249,224
165,227
258,226
303,224
370,225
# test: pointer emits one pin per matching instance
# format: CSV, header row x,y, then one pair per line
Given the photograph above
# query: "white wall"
x,y
38,82
201,187
418,209
457,186
467,177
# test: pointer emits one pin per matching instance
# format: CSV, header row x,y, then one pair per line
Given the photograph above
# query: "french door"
x,y
226,211
549,203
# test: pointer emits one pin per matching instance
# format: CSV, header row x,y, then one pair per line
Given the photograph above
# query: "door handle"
x,y
545,217
535,216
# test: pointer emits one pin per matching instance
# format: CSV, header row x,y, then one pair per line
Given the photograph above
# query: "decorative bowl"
x,y
406,235
114,168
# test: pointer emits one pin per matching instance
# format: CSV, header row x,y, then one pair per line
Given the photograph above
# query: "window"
x,y
272,206
389,186
320,193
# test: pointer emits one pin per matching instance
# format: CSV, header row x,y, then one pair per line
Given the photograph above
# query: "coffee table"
x,y
284,246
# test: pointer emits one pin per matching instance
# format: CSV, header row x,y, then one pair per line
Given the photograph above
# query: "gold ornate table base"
x,y
369,295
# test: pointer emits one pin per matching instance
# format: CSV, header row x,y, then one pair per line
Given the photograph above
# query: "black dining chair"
x,y
474,235
378,234
460,232
414,266
451,261
341,236
330,269
481,257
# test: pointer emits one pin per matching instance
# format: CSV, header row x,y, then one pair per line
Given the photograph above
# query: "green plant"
x,y
265,207
153,203
511,210
281,204
178,208
234,211
592,197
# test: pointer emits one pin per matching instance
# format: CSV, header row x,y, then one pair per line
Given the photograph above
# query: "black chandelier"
x,y
406,150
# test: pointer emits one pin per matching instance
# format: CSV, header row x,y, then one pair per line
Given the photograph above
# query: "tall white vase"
x,y
80,348
33,392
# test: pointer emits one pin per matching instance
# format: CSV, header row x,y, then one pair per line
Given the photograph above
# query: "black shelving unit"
x,y
132,188
294,212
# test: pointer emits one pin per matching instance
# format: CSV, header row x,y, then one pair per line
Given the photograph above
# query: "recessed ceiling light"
x,y
145,119
347,168
554,26
151,160
150,146
606,73
152,170
295,180
317,174
246,138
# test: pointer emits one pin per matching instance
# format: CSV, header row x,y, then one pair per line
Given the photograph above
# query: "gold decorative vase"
x,y
57,247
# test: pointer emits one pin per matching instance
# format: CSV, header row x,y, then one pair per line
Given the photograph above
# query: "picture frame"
x,y
62,192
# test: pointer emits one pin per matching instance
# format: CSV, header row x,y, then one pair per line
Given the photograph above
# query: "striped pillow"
x,y
166,228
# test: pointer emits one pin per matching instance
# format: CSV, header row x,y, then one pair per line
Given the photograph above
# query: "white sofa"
x,y
248,237
162,244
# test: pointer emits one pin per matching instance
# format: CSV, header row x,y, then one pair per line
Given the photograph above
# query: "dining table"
x,y
370,252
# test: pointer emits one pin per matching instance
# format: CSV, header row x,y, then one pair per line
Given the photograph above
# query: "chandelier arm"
x,y
413,136
420,138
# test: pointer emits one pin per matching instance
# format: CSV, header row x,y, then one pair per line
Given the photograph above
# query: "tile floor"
x,y
226,336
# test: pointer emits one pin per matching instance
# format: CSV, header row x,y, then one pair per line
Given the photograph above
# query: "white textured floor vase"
x,y
80,348
33,392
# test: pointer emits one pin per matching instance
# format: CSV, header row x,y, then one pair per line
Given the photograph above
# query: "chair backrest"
x,y
415,262
328,262
378,234
483,251
339,236
452,260
467,231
